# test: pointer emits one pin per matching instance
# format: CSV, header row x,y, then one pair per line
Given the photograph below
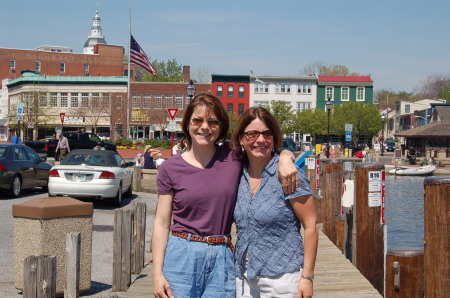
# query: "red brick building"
x,y
233,91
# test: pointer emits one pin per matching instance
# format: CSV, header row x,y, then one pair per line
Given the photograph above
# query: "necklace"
x,y
253,189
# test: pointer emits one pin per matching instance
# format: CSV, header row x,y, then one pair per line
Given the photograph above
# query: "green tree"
x,y
169,71
365,118
312,121
284,113
234,119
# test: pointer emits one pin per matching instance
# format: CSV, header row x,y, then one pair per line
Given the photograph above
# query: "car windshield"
x,y
87,159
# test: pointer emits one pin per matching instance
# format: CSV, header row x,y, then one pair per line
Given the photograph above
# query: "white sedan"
x,y
87,173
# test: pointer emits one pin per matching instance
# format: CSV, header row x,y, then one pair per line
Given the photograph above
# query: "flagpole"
x,y
129,74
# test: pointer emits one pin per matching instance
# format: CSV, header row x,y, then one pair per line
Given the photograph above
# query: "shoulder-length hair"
x,y
215,106
246,118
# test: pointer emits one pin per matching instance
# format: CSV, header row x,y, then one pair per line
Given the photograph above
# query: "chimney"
x,y
186,73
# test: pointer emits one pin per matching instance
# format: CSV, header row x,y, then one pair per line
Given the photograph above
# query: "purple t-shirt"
x,y
204,199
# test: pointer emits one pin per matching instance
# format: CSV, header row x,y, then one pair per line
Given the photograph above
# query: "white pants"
x,y
281,285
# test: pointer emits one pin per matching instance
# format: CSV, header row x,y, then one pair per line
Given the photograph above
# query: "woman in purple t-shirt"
x,y
197,190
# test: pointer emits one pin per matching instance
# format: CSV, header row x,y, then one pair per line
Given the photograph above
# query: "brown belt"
x,y
206,239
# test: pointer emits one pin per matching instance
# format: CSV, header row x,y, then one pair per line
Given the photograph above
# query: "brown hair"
x,y
250,115
215,105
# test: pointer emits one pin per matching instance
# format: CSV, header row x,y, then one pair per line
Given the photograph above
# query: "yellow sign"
x,y
139,116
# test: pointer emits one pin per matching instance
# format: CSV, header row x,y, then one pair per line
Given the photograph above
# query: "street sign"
x,y
348,136
20,108
61,116
172,126
19,117
348,127
30,125
172,113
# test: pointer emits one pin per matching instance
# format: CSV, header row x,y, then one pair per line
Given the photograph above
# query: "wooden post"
x,y
73,245
121,250
313,172
332,194
138,238
39,278
369,240
437,239
137,179
404,272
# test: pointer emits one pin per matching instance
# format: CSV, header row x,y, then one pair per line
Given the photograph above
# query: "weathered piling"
x,y
39,277
404,272
121,250
332,193
369,241
437,240
313,172
138,237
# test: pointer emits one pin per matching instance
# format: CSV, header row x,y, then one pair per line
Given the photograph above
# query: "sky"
x,y
398,42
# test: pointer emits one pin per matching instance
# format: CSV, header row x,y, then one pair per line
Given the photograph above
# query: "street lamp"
x,y
329,106
191,90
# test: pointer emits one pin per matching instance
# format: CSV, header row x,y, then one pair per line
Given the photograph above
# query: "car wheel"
x,y
117,200
16,187
129,191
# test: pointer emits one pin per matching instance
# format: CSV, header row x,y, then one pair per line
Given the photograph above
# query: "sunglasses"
x,y
199,121
254,134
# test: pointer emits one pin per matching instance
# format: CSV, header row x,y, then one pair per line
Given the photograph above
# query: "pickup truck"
x,y
77,140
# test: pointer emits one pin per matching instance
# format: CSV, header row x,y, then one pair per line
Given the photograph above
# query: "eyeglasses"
x,y
254,134
211,122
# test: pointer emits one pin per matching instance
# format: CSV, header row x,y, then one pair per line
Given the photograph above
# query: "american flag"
x,y
139,57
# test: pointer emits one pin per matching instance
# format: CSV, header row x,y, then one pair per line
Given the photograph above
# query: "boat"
x,y
413,171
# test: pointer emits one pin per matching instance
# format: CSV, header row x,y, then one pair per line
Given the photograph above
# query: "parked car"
x,y
21,168
390,146
288,144
77,140
87,173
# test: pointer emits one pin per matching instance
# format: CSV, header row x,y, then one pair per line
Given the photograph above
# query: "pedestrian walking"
x,y
63,146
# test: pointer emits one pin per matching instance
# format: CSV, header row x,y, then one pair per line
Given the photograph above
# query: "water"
x,y
404,211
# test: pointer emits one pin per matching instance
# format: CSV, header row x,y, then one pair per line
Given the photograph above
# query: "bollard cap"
x,y
43,208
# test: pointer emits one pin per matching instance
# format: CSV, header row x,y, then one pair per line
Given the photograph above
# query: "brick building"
x,y
233,91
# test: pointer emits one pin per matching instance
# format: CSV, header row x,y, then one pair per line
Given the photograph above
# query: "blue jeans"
x,y
197,269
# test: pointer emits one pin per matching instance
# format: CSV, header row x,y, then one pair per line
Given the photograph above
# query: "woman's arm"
x,y
153,152
287,172
161,229
306,212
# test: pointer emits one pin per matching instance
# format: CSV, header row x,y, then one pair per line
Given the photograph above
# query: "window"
x,y
62,67
119,126
53,99
64,100
86,69
38,65
303,105
262,103
147,101
345,93
179,100
304,88
407,109
230,91
241,109
12,64
43,100
118,102
158,100
136,101
283,88
261,88
241,91
188,100
168,100
229,107
360,93
105,100
84,100
95,100
74,100
329,93
219,90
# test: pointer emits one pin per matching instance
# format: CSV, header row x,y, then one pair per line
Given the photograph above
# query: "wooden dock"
x,y
335,276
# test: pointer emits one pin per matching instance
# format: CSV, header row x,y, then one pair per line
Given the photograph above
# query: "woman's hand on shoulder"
x,y
161,288
287,172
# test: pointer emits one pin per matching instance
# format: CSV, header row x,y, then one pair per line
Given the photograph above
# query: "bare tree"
x,y
201,74
436,86
324,68
94,110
